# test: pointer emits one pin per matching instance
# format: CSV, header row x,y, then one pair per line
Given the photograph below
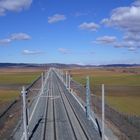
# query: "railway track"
x,y
50,119
46,112
62,121
61,117
66,103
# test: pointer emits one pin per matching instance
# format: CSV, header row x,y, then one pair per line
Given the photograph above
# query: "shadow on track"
x,y
35,128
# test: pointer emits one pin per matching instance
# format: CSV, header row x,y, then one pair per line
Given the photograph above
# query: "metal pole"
x,y
66,79
87,98
69,81
103,112
24,113
42,82
45,74
62,76
60,73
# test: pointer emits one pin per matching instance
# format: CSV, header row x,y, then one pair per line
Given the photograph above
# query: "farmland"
x,y
6,95
19,78
11,81
122,86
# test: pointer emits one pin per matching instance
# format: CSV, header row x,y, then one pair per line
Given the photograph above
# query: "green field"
x,y
8,95
17,78
112,79
11,83
122,89
126,104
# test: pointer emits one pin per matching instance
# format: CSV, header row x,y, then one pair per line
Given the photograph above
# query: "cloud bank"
x,y
127,19
13,5
14,37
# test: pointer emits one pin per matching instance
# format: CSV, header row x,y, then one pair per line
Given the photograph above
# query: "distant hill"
x,y
120,65
58,65
17,65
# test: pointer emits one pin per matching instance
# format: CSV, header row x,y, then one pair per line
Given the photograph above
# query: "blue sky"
x,y
70,31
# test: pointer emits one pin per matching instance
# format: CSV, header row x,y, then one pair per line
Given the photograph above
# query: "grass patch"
x,y
10,82
18,78
126,80
112,79
127,104
8,95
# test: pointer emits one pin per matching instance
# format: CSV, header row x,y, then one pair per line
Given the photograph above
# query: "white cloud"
x,y
15,36
29,52
5,41
131,36
56,18
127,44
133,49
13,5
106,40
91,26
64,51
127,19
20,36
119,45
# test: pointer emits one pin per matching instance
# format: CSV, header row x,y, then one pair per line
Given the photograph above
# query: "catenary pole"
x,y
24,113
66,79
69,81
103,112
87,97
42,82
